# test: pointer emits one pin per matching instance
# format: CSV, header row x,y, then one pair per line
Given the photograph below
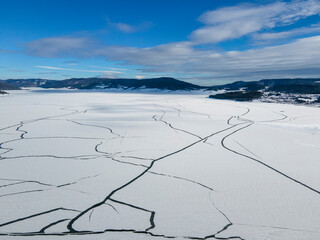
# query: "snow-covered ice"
x,y
90,165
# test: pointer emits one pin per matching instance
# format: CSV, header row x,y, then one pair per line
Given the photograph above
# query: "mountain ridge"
x,y
104,83
285,85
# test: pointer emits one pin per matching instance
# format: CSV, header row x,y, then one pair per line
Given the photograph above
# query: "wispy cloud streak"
x,y
79,70
237,21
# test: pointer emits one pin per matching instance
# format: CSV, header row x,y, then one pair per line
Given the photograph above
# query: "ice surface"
x,y
99,165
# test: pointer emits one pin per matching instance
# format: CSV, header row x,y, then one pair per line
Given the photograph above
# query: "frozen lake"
x,y
96,165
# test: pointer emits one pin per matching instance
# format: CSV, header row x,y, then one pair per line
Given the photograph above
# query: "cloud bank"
x,y
298,58
234,22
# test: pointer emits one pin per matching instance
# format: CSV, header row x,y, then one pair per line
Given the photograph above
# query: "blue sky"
x,y
200,41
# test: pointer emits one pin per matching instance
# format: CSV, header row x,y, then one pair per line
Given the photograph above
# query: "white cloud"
x,y
112,68
234,22
46,72
269,36
55,46
80,70
129,28
297,59
163,54
125,27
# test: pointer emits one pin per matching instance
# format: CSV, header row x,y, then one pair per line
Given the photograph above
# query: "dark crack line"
x,y
257,160
46,184
79,180
171,126
124,162
53,137
26,181
222,213
247,149
88,233
70,225
35,138
37,214
97,126
22,123
102,152
276,227
41,190
11,184
185,111
219,210
110,156
276,120
20,138
91,215
219,238
7,149
80,157
63,137
52,224
161,174
81,233
138,158
19,130
145,166
262,163
38,119
152,213
23,192
181,178
204,114
112,207
229,224
11,126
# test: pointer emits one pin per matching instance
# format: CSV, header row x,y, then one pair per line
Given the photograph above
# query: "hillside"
x,y
299,90
298,85
164,83
7,86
